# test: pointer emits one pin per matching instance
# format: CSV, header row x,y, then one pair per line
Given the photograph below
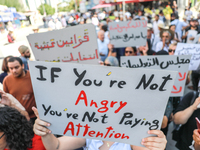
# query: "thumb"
x,y
35,112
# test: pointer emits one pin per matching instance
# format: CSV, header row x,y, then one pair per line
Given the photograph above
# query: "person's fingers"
x,y
35,112
42,123
157,132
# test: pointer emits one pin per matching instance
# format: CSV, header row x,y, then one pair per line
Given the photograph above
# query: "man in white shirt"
x,y
51,24
153,38
102,45
180,25
166,41
58,24
188,13
155,25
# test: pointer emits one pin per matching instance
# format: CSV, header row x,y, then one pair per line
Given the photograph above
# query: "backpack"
x,y
176,133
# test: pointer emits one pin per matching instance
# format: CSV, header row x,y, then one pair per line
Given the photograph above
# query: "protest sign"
x,y
190,49
174,63
72,44
128,33
106,103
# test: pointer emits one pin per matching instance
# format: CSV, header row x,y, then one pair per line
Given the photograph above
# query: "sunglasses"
x,y
170,50
165,36
106,64
129,52
2,135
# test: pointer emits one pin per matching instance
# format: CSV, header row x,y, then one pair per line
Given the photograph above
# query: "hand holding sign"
x,y
40,128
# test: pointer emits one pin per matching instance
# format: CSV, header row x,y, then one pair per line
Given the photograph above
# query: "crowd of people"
x,y
20,125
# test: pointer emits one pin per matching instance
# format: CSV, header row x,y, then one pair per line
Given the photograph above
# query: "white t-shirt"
x,y
160,45
155,26
96,144
103,48
189,14
191,33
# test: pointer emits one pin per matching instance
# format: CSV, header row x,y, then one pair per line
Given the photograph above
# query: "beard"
x,y
27,56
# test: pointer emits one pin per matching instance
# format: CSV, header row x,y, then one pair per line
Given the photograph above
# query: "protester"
x,y
4,69
196,138
11,37
111,61
177,37
166,36
51,142
16,132
172,48
51,24
58,24
153,39
155,25
25,55
102,45
185,115
130,51
19,85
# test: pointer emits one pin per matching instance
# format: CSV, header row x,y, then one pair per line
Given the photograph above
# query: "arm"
x,y
184,36
164,122
182,117
110,49
50,141
153,143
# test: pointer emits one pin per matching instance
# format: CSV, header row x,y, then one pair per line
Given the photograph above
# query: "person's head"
x,y
161,13
193,22
24,51
101,35
149,30
111,61
130,51
172,48
166,36
172,27
156,17
104,28
16,131
185,19
139,13
16,66
10,30
5,64
173,17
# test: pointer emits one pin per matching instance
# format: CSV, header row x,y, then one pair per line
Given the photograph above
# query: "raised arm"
x,y
50,141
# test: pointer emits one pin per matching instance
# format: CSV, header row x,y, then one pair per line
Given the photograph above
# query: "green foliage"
x,y
12,3
48,9
71,6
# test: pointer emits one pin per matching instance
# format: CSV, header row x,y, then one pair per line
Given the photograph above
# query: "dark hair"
x,y
12,59
17,129
104,28
5,64
134,49
172,25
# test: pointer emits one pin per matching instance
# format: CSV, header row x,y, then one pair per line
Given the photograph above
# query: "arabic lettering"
x,y
74,41
135,24
127,38
82,58
155,61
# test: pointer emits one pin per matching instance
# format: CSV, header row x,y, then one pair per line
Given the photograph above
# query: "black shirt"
x,y
188,128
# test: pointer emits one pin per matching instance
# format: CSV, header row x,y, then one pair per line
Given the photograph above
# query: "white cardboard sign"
x,y
128,33
190,49
97,102
73,44
174,63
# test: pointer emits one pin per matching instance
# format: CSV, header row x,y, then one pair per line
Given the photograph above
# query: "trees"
x,y
48,9
12,3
